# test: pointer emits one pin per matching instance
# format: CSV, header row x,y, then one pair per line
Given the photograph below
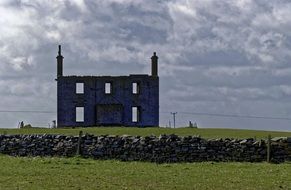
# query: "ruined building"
x,y
108,100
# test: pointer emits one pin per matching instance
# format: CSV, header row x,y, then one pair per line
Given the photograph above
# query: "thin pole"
x,y
269,149
174,117
79,143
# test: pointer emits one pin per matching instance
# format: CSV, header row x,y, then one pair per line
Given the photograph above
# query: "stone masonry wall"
x,y
162,149
94,96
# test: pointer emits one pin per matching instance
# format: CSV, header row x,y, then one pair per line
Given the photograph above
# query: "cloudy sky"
x,y
227,57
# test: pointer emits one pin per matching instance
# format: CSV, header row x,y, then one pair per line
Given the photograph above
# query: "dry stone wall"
x,y
162,149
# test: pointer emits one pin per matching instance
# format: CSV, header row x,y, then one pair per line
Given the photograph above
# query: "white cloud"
x,y
231,54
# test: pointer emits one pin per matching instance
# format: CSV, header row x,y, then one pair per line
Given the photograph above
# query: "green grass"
x,y
203,132
77,173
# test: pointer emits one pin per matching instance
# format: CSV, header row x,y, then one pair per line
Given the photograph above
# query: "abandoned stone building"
x,y
108,100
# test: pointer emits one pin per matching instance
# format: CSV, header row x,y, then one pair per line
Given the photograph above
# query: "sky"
x,y
216,57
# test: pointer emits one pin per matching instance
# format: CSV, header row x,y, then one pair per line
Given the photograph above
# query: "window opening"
x,y
108,88
135,88
79,88
79,114
135,114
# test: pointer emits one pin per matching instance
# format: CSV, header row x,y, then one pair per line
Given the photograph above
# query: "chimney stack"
x,y
155,65
60,63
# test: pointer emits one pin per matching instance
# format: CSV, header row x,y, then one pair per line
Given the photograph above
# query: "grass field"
x,y
76,173
203,132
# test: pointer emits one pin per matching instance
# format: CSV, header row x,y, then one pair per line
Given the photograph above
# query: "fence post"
x,y
79,143
269,149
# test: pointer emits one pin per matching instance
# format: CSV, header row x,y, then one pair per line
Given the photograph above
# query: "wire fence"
x,y
229,115
42,122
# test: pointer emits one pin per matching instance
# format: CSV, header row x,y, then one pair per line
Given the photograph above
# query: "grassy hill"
x,y
203,132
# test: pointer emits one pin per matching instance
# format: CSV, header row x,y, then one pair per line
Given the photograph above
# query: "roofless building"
x,y
108,100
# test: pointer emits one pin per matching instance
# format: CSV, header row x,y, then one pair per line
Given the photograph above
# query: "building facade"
x,y
108,100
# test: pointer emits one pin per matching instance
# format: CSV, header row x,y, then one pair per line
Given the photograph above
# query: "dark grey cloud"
x,y
229,56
